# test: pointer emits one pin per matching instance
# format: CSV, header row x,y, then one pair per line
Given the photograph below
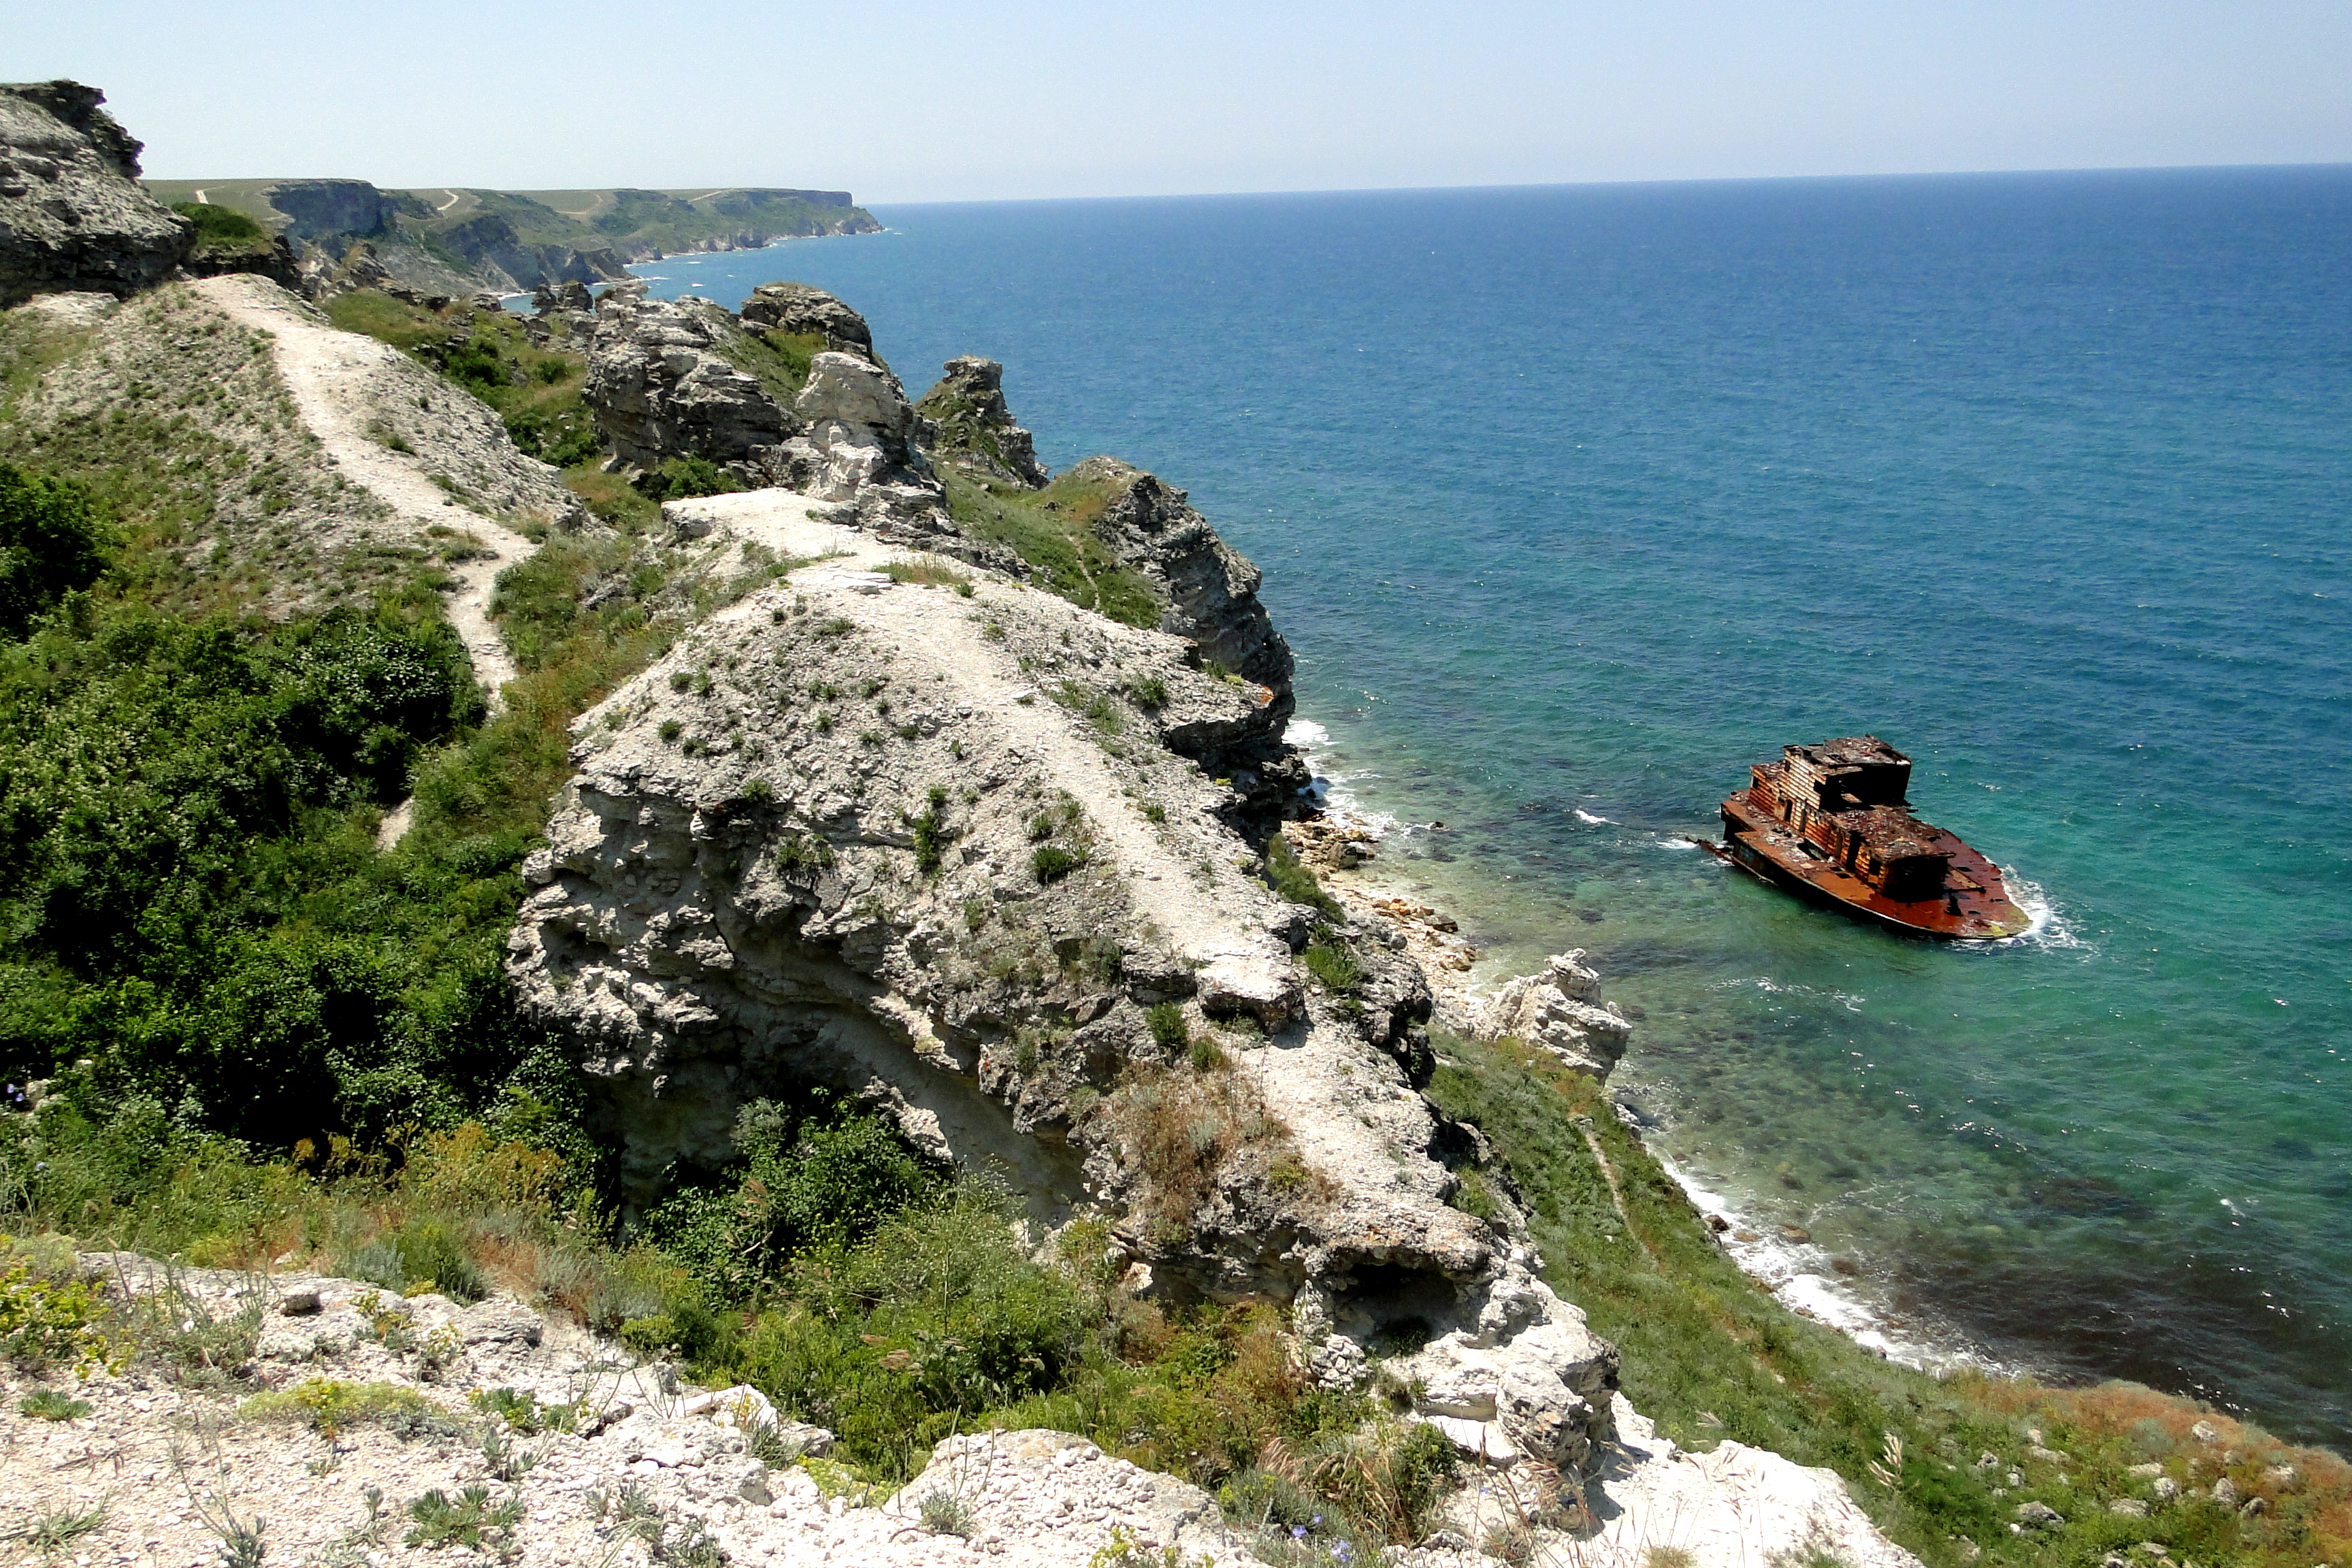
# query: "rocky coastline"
x,y
1561,1008
913,778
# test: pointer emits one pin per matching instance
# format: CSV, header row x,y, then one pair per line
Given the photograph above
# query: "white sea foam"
x,y
1765,983
2051,930
1585,816
1673,841
1305,734
1797,1273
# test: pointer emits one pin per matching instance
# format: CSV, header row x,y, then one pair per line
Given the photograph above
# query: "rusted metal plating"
x,y
1832,822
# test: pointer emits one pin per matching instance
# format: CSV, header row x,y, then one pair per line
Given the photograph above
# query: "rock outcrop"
x,y
317,212
671,378
73,217
1212,590
946,852
973,428
803,309
666,380
856,444
1561,1011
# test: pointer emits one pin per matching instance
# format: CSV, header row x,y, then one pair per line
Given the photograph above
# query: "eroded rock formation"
x,y
666,380
949,852
1561,1011
973,428
72,214
800,309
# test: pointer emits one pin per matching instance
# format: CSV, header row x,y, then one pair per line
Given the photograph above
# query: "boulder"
x,y
73,217
1561,1011
854,444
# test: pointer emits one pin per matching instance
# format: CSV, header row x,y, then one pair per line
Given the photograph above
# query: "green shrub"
x,y
431,1258
48,1323
1294,882
682,478
1051,862
811,1169
220,227
1333,965
940,1315
52,1404
1168,1026
331,1406
51,543
470,1519
930,831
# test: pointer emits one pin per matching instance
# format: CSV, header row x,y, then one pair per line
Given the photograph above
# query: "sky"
x,y
907,100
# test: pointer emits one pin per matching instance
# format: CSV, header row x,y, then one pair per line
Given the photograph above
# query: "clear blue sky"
x,y
909,101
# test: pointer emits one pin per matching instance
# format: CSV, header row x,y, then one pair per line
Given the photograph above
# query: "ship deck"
x,y
1974,906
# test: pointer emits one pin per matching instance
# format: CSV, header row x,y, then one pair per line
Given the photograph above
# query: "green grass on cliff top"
x,y
1053,529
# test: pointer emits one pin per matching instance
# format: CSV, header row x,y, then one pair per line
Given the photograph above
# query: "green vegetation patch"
x,y
1709,1355
779,360
1053,529
1294,882
535,390
329,1406
223,232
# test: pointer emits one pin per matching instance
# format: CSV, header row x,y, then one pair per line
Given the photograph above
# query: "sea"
x,y
1574,501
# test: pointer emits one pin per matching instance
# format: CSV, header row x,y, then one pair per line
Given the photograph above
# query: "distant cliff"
x,y
456,240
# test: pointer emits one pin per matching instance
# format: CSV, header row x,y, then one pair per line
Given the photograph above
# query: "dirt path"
x,y
335,377
939,631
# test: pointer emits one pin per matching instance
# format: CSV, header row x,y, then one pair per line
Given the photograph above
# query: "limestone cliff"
x,y
72,215
965,856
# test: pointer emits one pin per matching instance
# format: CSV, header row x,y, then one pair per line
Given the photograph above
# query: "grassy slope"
x,y
1053,529
1709,1354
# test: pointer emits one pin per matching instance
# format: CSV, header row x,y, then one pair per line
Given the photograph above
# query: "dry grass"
x,y
928,572
1190,1133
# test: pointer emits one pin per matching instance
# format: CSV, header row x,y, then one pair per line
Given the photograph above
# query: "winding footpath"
x,y
339,380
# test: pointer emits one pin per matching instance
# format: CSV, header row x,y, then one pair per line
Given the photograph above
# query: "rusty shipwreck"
x,y
1831,823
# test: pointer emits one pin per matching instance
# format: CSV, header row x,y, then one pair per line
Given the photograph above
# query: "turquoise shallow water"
x,y
1576,500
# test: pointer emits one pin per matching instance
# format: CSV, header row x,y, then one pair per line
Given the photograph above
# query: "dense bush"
x,y
940,1316
51,543
681,478
189,894
220,227
815,1170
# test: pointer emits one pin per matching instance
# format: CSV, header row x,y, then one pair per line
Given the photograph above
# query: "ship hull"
x,y
1973,905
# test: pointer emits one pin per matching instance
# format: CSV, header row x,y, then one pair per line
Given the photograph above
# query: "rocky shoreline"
x,y
943,788
1562,1009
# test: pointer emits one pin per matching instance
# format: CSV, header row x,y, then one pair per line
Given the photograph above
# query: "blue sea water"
x,y
1575,501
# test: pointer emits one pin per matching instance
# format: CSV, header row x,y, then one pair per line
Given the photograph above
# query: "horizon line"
x,y
1307,190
